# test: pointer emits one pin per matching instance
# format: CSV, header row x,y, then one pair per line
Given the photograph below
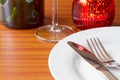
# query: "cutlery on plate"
x,y
108,64
100,52
92,59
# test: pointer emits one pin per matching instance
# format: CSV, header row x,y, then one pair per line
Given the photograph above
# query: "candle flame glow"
x,y
83,2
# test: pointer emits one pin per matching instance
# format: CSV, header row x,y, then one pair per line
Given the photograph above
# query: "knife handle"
x,y
109,75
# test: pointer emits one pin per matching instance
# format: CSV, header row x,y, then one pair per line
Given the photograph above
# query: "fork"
x,y
100,52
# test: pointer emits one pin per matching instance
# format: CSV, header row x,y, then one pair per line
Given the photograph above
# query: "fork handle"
x,y
109,75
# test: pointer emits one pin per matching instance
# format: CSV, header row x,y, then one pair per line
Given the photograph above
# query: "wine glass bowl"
x,y
88,14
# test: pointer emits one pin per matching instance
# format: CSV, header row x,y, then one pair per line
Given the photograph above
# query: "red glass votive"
x,y
88,14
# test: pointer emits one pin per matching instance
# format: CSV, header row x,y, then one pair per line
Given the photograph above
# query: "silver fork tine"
x,y
93,48
100,52
98,49
104,50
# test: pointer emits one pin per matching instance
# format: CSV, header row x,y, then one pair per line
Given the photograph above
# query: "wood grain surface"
x,y
23,56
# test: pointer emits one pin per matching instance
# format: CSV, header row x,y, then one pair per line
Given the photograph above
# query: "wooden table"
x,y
25,57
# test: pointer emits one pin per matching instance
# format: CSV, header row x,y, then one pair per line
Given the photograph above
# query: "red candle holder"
x,y
88,14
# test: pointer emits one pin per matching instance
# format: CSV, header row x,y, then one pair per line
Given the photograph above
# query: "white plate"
x,y
66,64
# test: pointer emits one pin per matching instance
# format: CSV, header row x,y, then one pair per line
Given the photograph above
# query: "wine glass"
x,y
54,32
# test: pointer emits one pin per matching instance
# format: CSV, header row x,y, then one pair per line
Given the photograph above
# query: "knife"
x,y
92,59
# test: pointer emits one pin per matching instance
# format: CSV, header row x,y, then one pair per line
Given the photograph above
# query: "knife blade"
x,y
92,59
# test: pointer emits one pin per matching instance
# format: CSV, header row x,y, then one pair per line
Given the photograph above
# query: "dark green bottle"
x,y
21,14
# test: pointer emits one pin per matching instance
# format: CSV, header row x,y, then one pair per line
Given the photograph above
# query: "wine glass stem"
x,y
55,15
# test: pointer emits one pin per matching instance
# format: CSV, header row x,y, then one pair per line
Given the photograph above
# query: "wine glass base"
x,y
48,34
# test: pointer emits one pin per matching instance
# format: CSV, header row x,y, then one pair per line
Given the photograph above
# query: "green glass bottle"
x,y
21,14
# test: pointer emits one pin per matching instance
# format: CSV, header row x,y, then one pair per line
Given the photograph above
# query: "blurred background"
x,y
65,10
117,13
